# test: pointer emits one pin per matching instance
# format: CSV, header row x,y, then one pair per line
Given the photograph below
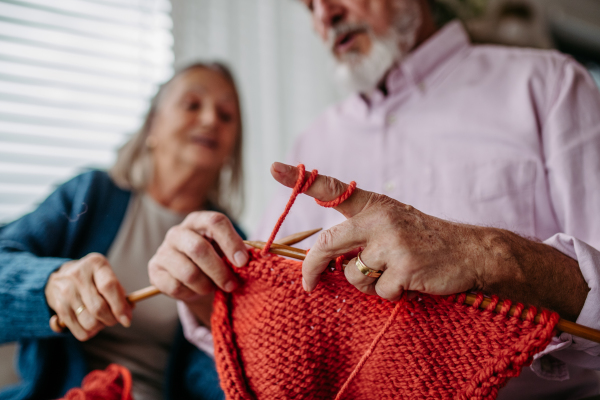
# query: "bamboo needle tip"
x,y
255,244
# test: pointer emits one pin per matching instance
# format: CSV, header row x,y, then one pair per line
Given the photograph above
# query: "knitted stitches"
x,y
113,383
275,341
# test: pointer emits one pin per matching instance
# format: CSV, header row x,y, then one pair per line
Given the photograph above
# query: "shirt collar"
x,y
413,70
429,56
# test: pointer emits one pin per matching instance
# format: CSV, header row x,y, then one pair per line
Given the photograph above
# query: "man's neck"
x,y
426,30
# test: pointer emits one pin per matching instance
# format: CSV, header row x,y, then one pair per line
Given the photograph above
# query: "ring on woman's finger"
x,y
366,271
79,310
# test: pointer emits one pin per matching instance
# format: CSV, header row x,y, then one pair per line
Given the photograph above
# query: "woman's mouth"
x,y
205,142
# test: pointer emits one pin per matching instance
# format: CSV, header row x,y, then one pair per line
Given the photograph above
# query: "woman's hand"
x,y
415,251
87,296
187,263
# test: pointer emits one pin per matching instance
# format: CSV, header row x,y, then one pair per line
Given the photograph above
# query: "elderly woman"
x,y
90,243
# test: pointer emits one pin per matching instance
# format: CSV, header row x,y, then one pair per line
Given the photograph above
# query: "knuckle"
x,y
153,265
386,292
377,257
86,335
177,290
190,275
326,238
217,218
96,308
334,186
199,247
193,216
108,284
62,310
96,259
363,288
204,287
172,233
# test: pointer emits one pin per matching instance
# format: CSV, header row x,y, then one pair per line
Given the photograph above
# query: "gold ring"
x,y
79,310
366,271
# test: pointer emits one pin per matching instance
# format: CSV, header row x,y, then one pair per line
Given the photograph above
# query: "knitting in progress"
x,y
273,340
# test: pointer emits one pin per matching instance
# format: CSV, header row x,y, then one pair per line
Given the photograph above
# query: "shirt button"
x,y
389,186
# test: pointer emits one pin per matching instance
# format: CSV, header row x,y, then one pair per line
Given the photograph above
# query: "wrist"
x,y
497,266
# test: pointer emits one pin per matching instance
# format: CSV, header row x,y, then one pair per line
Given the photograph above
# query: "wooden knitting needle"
x,y
57,325
562,325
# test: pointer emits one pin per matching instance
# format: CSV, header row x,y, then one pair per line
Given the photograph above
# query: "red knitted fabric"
x,y
114,383
275,341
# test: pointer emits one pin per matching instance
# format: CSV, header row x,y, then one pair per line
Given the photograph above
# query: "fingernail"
x,y
281,168
125,321
240,258
229,286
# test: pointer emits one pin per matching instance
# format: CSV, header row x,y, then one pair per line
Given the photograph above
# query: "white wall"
x,y
282,69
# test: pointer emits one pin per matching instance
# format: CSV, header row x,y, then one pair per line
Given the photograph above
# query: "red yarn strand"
x,y
369,351
340,199
301,187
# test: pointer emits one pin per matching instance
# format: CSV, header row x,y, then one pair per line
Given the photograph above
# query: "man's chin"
x,y
362,73
351,81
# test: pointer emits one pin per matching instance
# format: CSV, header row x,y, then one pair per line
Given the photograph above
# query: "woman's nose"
x,y
208,115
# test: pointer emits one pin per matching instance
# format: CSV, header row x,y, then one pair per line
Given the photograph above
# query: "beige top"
x,y
144,347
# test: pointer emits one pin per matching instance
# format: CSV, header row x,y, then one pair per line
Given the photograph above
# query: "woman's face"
x,y
196,122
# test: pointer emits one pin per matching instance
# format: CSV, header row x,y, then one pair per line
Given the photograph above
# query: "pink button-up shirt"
x,y
485,135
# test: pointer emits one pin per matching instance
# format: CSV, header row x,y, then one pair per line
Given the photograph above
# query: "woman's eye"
x,y
225,117
192,105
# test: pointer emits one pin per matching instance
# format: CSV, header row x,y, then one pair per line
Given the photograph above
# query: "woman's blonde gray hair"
x,y
133,168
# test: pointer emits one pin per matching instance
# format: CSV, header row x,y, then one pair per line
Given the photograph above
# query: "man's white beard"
x,y
358,73
363,73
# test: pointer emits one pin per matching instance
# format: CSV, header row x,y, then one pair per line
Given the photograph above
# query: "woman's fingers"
x,y
325,188
174,274
86,296
110,305
216,226
206,262
66,313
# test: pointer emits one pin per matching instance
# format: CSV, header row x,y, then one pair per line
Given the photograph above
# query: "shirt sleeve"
x,y
571,146
567,348
195,333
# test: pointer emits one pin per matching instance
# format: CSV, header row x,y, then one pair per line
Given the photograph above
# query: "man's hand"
x,y
418,252
86,296
187,263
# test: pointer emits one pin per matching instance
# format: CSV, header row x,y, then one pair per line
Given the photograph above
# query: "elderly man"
x,y
492,146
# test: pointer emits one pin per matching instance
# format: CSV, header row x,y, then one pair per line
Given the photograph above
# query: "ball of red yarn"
x,y
113,383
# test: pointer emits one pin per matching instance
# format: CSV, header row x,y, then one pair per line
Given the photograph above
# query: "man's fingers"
x,y
390,287
324,188
218,227
330,244
362,282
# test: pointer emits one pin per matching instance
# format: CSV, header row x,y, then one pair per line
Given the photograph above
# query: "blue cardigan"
x,y
80,217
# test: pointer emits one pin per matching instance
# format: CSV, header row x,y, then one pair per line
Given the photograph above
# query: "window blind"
x,y
76,77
